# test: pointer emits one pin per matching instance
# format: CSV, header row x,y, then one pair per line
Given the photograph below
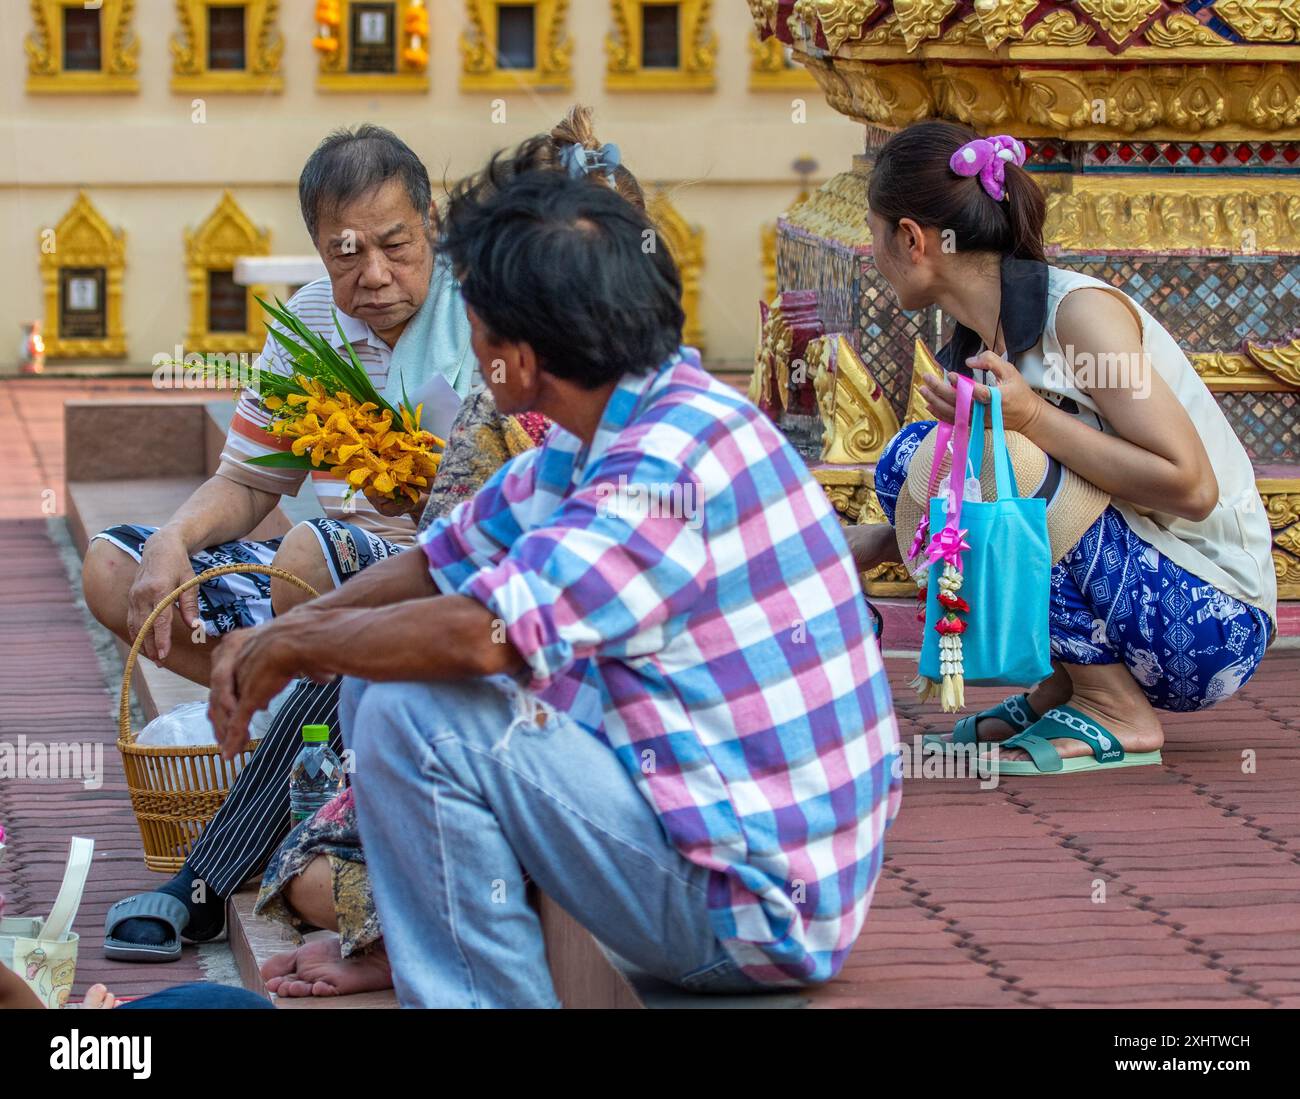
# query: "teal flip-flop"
x,y
1067,723
1014,710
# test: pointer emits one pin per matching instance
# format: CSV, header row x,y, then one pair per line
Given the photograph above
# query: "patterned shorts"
x,y
1116,599
238,600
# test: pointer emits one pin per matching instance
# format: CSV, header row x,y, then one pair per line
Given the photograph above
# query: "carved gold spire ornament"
x,y
924,365
1261,20
999,20
1120,20
857,419
921,19
840,20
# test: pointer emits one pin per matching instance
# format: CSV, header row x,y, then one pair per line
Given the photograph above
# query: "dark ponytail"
x,y
911,179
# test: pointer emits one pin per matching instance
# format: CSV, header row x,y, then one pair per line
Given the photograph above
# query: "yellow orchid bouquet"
x,y
336,419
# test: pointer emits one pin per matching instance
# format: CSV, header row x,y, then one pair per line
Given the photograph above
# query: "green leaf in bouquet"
x,y
282,459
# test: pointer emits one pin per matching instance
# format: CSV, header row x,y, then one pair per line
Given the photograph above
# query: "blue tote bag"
x,y
1001,550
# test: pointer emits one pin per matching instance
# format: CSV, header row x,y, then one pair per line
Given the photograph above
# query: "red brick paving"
x,y
1200,865
988,898
52,691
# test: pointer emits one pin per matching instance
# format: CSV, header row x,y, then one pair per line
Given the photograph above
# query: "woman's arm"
x,y
1156,459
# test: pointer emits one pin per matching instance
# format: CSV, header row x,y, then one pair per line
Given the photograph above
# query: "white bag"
x,y
44,952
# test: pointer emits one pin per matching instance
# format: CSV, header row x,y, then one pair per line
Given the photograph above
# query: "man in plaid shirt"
x,y
654,685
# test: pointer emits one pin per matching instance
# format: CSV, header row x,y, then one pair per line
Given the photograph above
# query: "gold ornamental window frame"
x,y
118,50
552,48
83,238
697,42
409,76
263,48
224,235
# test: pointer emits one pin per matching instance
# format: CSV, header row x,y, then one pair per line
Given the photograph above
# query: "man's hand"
x,y
872,545
249,668
392,509
1021,406
164,566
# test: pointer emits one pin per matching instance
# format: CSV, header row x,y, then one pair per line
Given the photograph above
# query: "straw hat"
x,y
1072,510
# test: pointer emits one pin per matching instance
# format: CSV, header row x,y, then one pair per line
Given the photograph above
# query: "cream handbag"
x,y
44,952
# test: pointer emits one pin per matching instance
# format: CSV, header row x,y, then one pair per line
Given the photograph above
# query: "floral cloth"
x,y
1116,599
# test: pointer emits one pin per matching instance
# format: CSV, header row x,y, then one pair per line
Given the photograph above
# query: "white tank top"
x,y
1232,548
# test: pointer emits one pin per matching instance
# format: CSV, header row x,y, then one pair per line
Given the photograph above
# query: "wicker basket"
x,y
175,791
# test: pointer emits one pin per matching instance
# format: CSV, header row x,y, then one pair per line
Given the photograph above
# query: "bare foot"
x,y
317,969
98,998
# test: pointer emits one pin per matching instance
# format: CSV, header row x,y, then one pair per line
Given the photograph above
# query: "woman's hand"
x,y
1021,406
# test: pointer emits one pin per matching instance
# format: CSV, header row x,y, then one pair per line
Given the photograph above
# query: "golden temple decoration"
x,y
1225,101
410,49
1120,18
1060,28
46,71
856,416
999,20
772,360
686,244
770,70
764,13
1281,498
1261,367
837,209
921,19
1238,216
1261,20
840,20
1182,29
697,44
84,242
227,234
924,365
849,490
262,43
480,70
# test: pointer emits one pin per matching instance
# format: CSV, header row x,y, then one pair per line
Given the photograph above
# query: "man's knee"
x,y
106,577
300,553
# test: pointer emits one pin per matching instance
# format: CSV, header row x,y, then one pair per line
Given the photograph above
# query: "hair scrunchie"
x,y
988,158
580,161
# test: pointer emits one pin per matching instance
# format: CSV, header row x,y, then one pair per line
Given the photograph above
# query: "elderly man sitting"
x,y
367,203
636,665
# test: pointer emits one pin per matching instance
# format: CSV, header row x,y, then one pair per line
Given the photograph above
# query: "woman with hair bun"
x,y
1168,599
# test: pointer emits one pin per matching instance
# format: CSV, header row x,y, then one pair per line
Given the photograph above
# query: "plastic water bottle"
x,y
316,776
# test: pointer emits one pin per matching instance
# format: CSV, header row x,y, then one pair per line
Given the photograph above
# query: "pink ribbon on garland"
x,y
950,543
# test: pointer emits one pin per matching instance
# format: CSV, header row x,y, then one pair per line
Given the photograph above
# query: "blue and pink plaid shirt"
x,y
682,589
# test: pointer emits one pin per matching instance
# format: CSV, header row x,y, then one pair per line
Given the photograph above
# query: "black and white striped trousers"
x,y
254,818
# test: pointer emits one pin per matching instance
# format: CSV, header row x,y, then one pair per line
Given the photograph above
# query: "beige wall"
x,y
725,156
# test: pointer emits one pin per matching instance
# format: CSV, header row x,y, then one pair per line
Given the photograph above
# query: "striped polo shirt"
x,y
248,437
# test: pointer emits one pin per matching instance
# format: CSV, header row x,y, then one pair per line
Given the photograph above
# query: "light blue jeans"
x,y
458,791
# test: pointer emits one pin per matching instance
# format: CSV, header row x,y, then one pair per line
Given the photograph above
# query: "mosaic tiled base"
x,y
1268,424
1210,303
1049,154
